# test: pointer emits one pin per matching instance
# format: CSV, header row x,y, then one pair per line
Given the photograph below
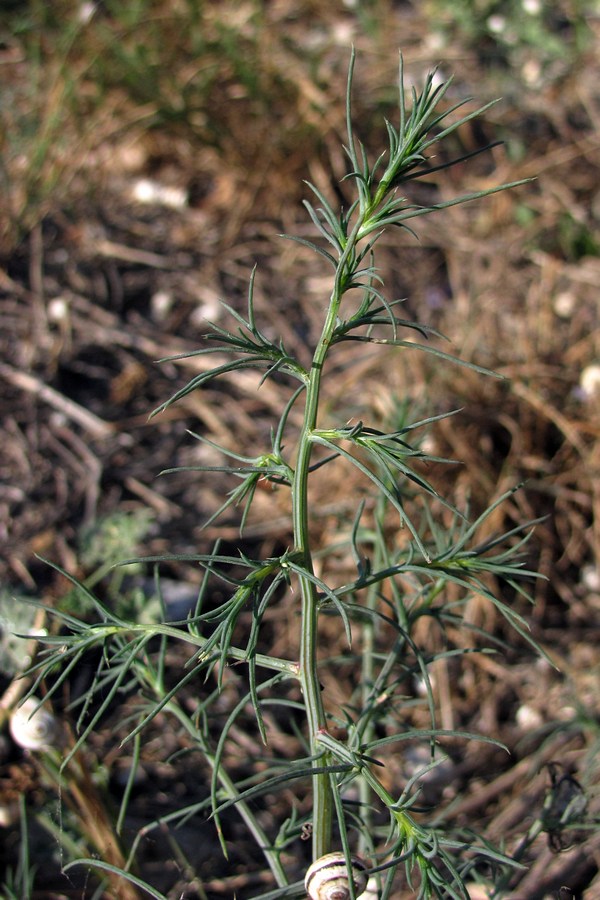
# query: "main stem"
x,y
309,678
309,640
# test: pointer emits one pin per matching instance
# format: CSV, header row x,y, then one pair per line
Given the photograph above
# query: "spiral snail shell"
x,y
327,878
33,726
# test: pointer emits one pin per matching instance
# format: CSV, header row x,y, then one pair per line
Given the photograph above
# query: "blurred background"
x,y
151,153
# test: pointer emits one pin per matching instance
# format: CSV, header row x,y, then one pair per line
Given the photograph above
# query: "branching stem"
x,y
309,677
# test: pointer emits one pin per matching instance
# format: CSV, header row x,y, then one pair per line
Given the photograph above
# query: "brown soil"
x,y
102,284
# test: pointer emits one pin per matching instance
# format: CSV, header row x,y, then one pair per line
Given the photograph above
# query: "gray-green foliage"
x,y
17,617
539,41
419,573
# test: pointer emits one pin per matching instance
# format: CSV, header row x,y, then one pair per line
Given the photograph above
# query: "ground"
x,y
150,159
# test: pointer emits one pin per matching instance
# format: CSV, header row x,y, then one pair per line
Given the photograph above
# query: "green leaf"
x,y
108,867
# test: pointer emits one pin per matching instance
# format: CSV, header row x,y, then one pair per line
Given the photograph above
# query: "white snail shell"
x,y
33,728
327,878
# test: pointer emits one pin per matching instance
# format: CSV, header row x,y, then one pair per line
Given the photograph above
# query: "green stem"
x,y
101,634
309,677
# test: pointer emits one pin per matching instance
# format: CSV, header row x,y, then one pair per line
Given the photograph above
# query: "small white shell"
x,y
589,382
327,877
32,728
372,891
